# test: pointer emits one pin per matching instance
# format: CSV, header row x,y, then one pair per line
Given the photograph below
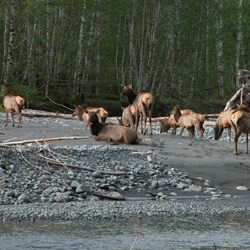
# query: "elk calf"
x,y
141,105
111,132
12,104
83,115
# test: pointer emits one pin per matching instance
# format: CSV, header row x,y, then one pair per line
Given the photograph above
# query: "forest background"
x,y
82,51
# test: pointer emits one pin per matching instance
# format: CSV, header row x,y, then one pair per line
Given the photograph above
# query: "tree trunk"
x,y
239,40
10,32
207,62
219,48
80,53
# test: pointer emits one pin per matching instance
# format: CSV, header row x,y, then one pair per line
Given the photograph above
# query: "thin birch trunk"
x,y
5,38
151,50
142,51
219,48
10,46
28,74
48,22
132,57
80,53
239,40
207,61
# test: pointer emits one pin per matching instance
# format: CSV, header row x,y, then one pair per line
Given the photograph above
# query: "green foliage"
x,y
169,43
27,92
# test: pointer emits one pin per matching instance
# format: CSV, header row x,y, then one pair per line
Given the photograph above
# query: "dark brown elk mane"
x,y
12,104
142,104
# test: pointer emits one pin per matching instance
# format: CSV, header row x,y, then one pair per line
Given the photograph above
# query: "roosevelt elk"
x,y
169,122
12,104
189,121
222,122
82,115
241,124
127,118
111,132
142,104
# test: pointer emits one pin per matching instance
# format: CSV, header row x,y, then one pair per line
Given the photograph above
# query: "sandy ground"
x,y
210,159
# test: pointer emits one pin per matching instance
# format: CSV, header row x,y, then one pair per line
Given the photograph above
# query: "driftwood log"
x,y
242,96
6,144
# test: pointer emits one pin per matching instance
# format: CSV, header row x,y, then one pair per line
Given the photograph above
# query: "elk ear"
x,y
97,111
130,86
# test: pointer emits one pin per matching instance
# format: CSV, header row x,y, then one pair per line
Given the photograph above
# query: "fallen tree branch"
x,y
48,160
58,104
5,144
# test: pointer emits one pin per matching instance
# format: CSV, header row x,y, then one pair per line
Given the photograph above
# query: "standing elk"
x,y
111,132
222,122
170,122
142,104
83,115
241,124
12,104
189,121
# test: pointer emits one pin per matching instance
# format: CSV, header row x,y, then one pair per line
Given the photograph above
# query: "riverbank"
x,y
164,176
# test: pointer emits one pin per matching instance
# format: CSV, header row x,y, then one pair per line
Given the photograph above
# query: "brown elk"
x,y
82,115
169,122
142,104
189,121
12,105
127,118
241,124
222,122
111,132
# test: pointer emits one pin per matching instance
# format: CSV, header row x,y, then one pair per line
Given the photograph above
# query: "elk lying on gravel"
x,y
12,104
222,122
241,124
111,132
141,105
189,121
169,122
82,115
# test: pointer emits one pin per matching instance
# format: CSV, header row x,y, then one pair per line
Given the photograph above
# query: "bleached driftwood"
x,y
6,144
240,97
107,197
40,113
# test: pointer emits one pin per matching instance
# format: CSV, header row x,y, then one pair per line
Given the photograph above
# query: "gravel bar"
x,y
110,210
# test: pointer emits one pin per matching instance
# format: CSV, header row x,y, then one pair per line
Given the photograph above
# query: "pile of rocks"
x,y
42,174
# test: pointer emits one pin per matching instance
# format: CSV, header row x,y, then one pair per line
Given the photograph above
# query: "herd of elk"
x,y
12,104
140,107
